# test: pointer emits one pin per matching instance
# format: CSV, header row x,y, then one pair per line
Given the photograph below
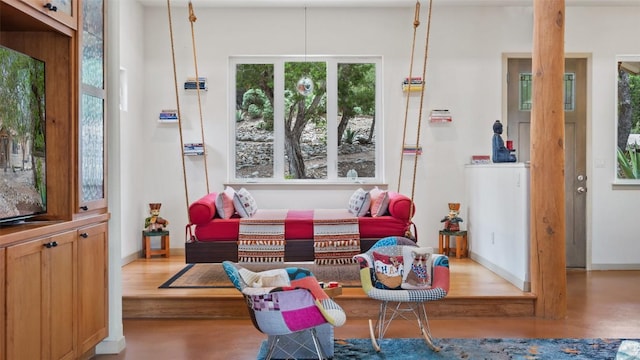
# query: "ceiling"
x,y
375,3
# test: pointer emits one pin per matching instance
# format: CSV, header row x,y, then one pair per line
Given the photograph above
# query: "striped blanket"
x,y
336,236
261,237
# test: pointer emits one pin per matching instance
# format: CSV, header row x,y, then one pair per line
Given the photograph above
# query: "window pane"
x,y
569,92
525,91
92,43
92,137
305,120
254,121
628,143
356,120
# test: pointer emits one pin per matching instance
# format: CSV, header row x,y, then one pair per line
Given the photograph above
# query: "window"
x,y
306,120
628,119
526,91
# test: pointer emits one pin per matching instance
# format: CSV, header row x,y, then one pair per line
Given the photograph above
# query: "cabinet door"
x,y
93,303
60,267
91,142
40,293
64,11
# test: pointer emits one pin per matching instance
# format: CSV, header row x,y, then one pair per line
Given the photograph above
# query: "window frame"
x,y
332,119
617,180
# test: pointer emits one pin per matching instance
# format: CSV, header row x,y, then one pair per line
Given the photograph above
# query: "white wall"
x,y
465,75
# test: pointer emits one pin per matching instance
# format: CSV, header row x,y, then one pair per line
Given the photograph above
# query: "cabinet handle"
x,y
84,235
84,207
51,7
50,244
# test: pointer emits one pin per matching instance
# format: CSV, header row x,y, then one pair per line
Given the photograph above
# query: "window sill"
x,y
626,185
293,184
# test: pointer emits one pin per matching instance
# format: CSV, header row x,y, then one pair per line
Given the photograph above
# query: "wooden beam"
x,y
548,263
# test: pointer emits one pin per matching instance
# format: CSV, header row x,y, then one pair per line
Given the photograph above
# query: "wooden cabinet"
x,y
54,270
41,298
63,11
92,286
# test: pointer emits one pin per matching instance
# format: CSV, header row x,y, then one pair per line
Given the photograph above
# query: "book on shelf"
x,y
193,149
440,116
168,115
480,159
192,83
412,150
413,80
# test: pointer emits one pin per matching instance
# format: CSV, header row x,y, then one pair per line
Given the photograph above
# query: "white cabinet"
x,y
498,219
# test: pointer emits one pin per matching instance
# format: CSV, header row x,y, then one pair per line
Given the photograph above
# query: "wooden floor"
x,y
600,304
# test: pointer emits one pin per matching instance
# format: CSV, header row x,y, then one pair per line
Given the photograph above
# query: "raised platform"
x,y
475,291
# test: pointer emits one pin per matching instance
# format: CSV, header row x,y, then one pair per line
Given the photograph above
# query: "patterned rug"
x,y
475,349
194,276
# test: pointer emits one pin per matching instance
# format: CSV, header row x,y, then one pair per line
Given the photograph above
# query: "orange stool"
x,y
444,246
164,243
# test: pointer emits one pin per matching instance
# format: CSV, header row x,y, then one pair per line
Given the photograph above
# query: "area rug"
x,y
210,275
475,349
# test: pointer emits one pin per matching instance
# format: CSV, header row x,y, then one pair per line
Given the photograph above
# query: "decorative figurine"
x,y
500,152
155,222
452,221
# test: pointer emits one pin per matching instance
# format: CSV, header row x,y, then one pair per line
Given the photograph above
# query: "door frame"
x,y
589,154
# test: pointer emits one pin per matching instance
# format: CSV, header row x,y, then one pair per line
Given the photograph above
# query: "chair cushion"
x,y
388,271
418,267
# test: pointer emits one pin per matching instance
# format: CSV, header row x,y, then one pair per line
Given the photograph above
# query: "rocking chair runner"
x,y
401,303
291,308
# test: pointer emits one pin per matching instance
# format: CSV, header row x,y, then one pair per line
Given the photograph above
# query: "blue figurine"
x,y
500,152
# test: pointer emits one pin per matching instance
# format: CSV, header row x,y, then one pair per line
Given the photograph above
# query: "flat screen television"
x,y
23,179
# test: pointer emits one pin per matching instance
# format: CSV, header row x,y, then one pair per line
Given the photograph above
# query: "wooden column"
x,y
548,263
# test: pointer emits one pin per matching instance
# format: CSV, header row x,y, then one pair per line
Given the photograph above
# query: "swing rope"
x,y
192,19
424,86
422,91
416,23
175,83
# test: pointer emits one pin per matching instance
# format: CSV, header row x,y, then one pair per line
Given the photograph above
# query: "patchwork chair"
x,y
289,306
403,277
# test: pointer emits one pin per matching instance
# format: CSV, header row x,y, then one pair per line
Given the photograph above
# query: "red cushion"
x,y
203,209
219,230
399,206
381,226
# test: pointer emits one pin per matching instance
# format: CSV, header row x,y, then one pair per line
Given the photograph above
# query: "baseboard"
x,y
520,284
138,254
111,346
614,267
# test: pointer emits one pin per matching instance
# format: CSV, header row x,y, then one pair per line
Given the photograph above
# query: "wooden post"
x,y
548,263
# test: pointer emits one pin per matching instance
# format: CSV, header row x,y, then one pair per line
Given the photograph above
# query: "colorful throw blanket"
x,y
261,237
336,236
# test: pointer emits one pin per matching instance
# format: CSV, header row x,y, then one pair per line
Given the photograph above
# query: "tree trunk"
x,y
342,126
371,129
625,112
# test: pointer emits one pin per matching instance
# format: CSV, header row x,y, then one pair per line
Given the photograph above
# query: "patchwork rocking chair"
x,y
403,277
289,306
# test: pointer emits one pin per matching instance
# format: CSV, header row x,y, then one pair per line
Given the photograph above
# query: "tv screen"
x,y
23,183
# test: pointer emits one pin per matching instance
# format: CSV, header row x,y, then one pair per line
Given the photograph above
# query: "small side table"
x,y
461,242
164,243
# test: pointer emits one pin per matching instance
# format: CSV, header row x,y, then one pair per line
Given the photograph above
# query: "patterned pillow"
x,y
244,203
388,271
418,265
359,202
379,202
224,203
